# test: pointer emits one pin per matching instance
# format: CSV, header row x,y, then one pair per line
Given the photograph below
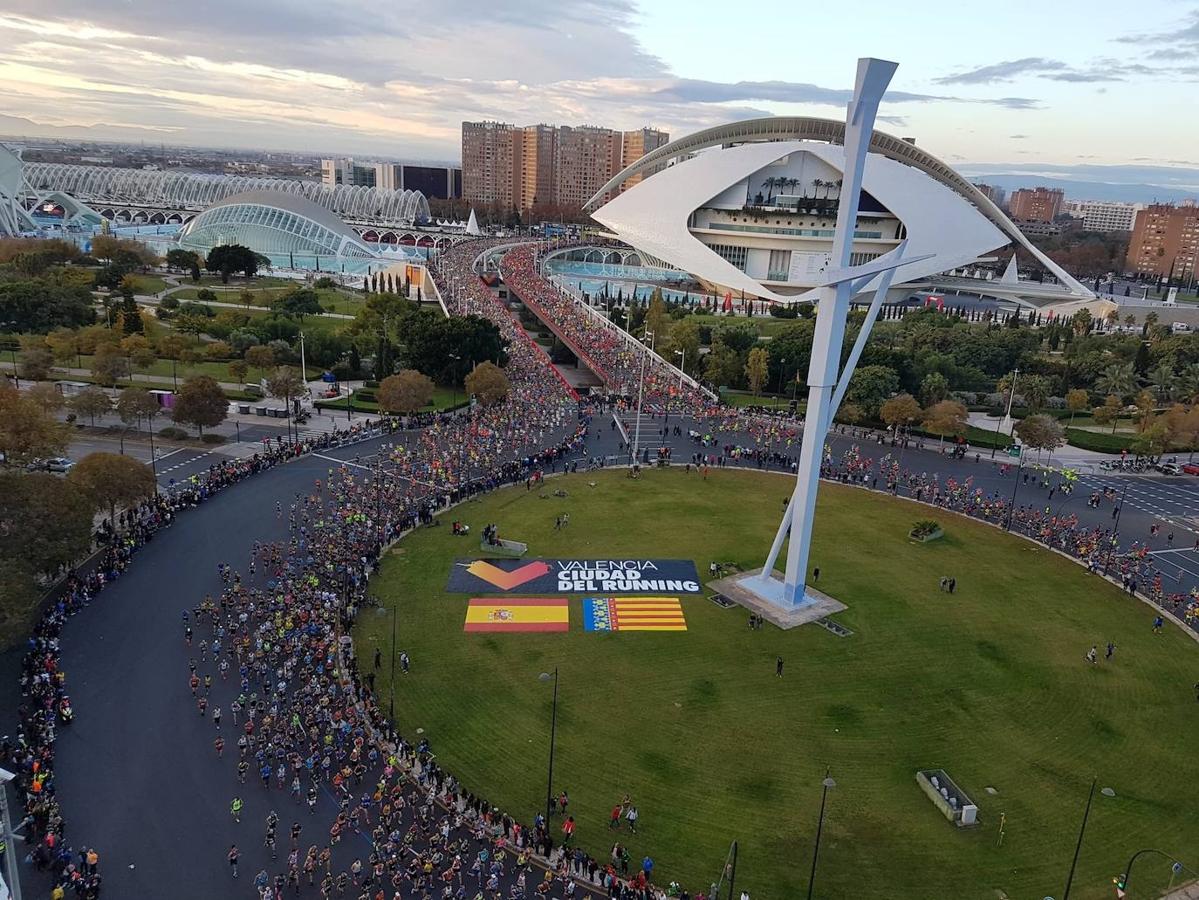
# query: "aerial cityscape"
x,y
581,451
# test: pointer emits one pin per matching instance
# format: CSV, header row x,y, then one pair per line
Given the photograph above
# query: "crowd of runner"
x,y
271,671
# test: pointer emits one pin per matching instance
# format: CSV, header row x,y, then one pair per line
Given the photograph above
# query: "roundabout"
x,y
989,683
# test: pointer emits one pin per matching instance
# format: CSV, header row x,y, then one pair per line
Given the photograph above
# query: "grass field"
x,y
989,684
334,301
766,326
443,398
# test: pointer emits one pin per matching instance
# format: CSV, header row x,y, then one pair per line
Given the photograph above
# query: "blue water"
x,y
570,267
629,289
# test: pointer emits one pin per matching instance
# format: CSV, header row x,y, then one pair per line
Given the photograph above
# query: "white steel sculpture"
x,y
827,380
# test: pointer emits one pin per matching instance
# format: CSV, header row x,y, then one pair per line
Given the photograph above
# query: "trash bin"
x,y
243,408
260,410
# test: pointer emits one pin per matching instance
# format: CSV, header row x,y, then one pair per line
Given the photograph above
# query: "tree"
x,y
1151,439
200,402
46,521
261,358
110,479
1035,389
110,365
488,383
90,402
139,351
1119,379
180,259
1041,432
27,430
284,384
870,386
684,340
405,392
1076,401
136,403
757,367
1166,385
299,303
900,411
657,319
131,316
170,346
230,258
36,363
1109,412
46,396
946,418
934,388
63,344
722,367
1081,322
238,369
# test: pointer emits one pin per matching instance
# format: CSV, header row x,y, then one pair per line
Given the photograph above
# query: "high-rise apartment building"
x,y
993,193
1165,239
546,165
440,182
1039,204
634,145
1104,215
488,159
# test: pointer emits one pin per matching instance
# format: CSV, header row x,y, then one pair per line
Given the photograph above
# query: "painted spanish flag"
x,y
633,614
518,614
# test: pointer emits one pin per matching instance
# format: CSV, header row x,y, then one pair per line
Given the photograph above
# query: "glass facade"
x,y
267,230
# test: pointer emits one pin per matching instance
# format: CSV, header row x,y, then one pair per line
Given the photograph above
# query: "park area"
x,y
989,684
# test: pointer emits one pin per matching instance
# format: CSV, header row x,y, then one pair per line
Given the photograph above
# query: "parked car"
x,y
1190,469
1170,468
53,464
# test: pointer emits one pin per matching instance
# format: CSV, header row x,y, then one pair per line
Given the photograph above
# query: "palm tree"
x,y
838,184
1166,385
817,184
1119,379
1035,389
1188,383
769,184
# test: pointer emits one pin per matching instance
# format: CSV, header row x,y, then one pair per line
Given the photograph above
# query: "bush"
x,y
212,438
1098,441
324,283
783,312
170,301
206,295
370,384
172,433
365,396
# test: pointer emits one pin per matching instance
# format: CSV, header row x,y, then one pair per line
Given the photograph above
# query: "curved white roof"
x,y
778,129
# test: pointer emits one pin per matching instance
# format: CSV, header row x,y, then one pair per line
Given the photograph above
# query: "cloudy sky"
x,y
1068,82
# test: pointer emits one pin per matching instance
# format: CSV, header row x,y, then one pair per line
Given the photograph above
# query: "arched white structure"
x,y
99,185
813,133
276,225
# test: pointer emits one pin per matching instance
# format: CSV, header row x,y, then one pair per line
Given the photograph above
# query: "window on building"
x,y
730,253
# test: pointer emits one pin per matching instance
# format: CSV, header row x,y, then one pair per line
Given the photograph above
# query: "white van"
x,y
1180,328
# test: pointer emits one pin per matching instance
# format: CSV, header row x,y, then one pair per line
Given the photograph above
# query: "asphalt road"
x,y
136,772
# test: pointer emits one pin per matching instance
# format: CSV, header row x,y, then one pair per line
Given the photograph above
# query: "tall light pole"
x,y
1011,394
682,365
549,783
827,783
649,335
1086,814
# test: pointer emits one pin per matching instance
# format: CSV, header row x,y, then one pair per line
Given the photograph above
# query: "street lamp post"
x,y
549,784
1078,847
682,365
999,424
827,783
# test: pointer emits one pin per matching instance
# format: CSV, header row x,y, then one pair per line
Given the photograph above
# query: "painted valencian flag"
x,y
518,614
633,614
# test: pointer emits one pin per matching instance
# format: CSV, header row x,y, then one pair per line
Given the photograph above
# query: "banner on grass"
x,y
633,614
518,614
574,576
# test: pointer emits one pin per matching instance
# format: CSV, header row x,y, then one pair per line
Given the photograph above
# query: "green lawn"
x,y
767,326
989,684
743,398
149,284
443,398
332,300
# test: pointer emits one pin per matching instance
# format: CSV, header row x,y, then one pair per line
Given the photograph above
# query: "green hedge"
x,y
1099,441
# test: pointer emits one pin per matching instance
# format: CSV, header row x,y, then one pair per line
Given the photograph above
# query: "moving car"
x,y
1170,468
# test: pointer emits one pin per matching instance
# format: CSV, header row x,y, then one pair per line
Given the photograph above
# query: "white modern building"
x,y
751,207
1104,215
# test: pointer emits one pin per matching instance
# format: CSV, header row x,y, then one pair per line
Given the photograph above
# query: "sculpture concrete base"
x,y
764,596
